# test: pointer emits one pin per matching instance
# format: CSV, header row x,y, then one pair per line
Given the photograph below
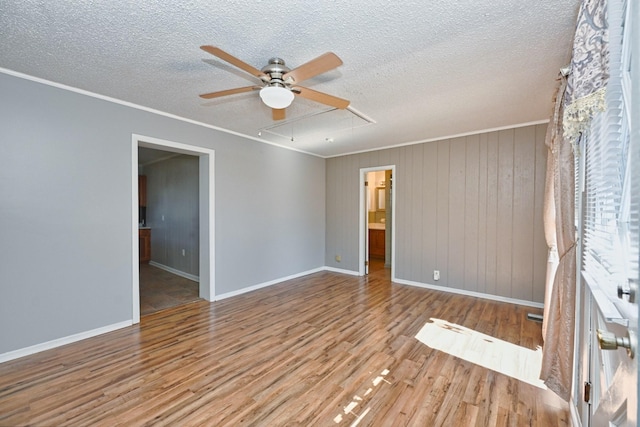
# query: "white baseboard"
x,y
339,270
469,293
282,279
15,354
88,334
174,271
265,284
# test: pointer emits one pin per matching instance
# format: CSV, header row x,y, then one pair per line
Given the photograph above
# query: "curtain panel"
x,y
579,97
560,294
554,133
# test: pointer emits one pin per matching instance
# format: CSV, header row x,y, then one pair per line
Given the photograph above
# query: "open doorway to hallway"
x,y
168,229
202,236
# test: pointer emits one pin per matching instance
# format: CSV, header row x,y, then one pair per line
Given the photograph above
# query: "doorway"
x,y
206,287
377,219
168,229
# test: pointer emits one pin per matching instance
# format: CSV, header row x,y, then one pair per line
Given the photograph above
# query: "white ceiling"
x,y
418,70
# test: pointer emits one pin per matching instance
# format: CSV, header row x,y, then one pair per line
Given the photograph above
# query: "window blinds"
x,y
610,248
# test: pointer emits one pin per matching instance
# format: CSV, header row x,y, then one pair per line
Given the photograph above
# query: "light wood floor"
x,y
322,350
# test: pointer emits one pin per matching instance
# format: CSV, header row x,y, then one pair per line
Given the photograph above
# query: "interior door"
x,y
615,368
614,217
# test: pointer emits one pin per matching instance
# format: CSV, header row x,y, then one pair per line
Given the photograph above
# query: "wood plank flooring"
x,y
322,350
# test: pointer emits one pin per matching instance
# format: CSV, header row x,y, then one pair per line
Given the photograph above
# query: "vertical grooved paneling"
x,y
392,157
470,207
523,211
341,243
404,214
345,202
540,250
505,213
416,250
482,213
492,215
352,182
442,217
471,212
429,196
330,209
457,173
172,187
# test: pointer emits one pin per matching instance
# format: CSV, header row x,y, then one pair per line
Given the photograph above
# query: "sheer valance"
x,y
586,85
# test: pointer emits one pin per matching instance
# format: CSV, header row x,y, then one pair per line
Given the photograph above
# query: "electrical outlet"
x,y
338,258
436,274
184,252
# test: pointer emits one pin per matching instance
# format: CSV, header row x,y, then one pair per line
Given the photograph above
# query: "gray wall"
x,y
470,207
172,212
66,202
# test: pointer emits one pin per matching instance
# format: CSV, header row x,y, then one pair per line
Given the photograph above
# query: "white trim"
x,y
207,214
175,271
362,214
15,354
147,109
135,239
207,223
342,271
266,284
442,138
470,293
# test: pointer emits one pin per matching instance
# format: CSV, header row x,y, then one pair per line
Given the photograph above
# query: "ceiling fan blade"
x,y
321,64
229,92
278,113
216,51
321,97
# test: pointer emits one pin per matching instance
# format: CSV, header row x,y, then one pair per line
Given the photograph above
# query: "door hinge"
x,y
587,391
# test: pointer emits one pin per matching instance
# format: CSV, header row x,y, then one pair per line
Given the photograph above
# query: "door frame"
x,y
206,158
363,221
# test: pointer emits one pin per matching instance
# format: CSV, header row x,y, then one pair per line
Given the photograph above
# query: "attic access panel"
x,y
319,126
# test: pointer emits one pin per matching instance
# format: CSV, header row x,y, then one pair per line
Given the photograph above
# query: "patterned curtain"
x,y
579,97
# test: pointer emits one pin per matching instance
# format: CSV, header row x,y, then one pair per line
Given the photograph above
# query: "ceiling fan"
x,y
280,83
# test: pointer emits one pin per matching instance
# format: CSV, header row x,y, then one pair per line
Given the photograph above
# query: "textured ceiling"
x,y
413,70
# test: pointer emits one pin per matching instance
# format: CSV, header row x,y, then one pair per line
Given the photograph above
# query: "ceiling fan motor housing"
x,y
276,69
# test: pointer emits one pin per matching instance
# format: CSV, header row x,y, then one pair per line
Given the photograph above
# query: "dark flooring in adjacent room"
x,y
376,264
160,289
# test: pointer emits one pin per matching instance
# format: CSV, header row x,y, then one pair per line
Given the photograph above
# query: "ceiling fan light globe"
x,y
276,97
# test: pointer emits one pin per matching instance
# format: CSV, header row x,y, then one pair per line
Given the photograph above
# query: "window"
x,y
610,247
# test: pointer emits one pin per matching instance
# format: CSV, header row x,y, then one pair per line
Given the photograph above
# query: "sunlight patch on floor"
x,y
513,360
357,400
